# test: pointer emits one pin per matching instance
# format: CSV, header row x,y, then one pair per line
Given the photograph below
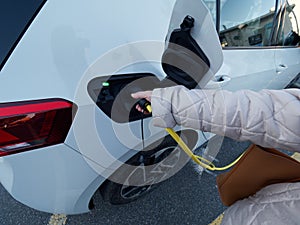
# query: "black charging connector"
x,y
144,104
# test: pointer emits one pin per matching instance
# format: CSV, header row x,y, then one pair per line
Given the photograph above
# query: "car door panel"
x,y
247,69
287,63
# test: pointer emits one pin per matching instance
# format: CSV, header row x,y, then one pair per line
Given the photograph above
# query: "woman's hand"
x,y
142,94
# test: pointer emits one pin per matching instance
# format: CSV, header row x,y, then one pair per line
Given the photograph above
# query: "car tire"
x,y
147,169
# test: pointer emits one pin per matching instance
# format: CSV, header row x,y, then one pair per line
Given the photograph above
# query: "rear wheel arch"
x,y
149,168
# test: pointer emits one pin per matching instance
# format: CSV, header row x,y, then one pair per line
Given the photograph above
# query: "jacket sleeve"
x,y
270,118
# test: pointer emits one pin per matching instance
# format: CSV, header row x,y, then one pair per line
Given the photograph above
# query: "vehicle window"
x,y
15,17
246,23
286,32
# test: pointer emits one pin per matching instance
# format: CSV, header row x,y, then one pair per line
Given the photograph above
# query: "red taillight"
x,y
34,124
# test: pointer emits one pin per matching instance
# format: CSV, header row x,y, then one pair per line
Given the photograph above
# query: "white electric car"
x,y
68,127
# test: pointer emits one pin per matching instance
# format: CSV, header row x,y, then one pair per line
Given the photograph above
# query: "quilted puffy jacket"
x,y
270,118
276,204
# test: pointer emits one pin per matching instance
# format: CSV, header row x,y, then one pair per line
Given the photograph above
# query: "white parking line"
x,y
58,219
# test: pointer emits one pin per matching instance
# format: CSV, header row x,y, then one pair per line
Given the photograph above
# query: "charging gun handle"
x,y
145,105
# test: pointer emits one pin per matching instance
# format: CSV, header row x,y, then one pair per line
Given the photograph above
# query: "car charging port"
x,y
112,94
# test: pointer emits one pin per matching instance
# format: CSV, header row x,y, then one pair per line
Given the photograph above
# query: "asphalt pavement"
x,y
189,197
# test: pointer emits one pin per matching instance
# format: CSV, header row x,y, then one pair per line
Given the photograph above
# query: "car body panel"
x,y
287,61
67,43
55,58
244,67
41,179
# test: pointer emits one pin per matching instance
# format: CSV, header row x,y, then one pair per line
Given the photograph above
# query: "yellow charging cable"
x,y
196,158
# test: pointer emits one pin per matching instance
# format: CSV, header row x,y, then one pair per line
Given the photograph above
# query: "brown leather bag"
x,y
257,168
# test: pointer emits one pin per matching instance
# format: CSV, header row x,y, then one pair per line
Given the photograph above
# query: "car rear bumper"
x,y
54,179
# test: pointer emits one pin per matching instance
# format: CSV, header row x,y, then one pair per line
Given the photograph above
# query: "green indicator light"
x,y
105,84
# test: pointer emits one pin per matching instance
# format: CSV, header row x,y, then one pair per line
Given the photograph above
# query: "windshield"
x,y
15,18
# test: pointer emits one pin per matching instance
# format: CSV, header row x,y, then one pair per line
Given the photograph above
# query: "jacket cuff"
x,y
161,110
